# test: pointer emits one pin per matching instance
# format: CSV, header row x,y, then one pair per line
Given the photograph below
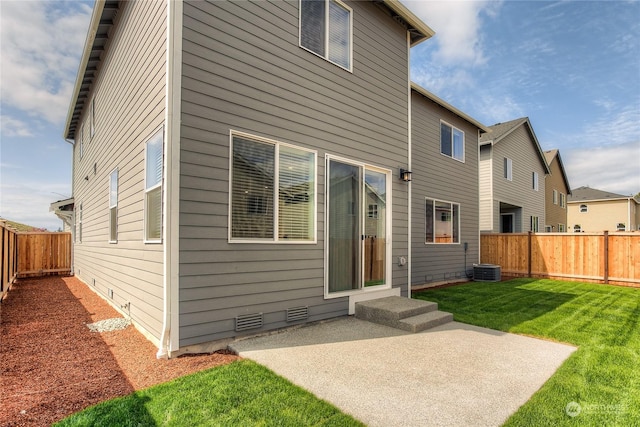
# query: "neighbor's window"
x,y
621,227
555,197
562,200
577,228
272,191
508,169
451,141
584,208
535,224
442,222
325,29
373,211
153,188
534,178
113,206
561,228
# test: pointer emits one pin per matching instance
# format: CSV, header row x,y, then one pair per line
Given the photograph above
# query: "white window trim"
x,y
388,224
326,41
555,197
534,223
562,228
563,200
509,169
276,186
464,142
115,170
536,185
434,231
79,230
146,190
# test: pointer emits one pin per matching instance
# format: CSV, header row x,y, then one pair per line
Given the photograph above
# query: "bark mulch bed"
x,y
52,365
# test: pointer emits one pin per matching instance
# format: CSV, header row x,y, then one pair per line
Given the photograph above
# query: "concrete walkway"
x,y
451,375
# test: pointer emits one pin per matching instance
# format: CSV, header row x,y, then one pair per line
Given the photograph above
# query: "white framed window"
x,y
535,224
81,140
113,206
92,118
534,178
584,208
548,228
577,228
326,29
442,221
451,141
508,169
563,199
79,231
555,197
621,227
153,188
561,228
373,211
272,191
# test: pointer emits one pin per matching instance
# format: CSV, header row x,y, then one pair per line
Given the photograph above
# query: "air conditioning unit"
x,y
486,273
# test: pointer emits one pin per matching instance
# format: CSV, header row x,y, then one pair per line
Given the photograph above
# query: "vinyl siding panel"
x,y
519,147
129,93
243,70
555,214
440,177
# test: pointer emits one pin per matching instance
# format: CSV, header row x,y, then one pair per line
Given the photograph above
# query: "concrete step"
x,y
425,321
392,309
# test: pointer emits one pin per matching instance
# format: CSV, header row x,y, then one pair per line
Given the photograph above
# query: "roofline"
x,y
604,200
422,91
88,46
411,19
564,172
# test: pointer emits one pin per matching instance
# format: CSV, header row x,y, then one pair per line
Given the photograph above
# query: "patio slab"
x,y
452,375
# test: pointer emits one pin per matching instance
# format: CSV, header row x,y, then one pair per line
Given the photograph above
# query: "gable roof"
x,y
422,91
104,14
582,194
499,131
555,153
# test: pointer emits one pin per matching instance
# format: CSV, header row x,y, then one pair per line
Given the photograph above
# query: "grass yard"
x,y
242,393
599,385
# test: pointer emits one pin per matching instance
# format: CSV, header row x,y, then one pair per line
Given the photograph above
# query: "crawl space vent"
x,y
297,313
486,273
248,321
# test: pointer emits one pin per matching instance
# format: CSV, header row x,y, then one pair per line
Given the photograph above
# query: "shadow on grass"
x,y
127,411
496,305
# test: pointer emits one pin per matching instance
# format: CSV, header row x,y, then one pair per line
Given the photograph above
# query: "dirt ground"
x,y
52,365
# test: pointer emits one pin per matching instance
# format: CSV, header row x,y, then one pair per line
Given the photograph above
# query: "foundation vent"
x,y
297,313
248,321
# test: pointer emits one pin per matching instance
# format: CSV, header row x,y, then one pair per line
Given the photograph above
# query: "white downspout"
x,y
410,214
169,340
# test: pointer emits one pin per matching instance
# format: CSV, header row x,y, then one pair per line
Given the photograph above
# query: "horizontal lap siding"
x,y
519,147
440,177
129,96
555,214
244,70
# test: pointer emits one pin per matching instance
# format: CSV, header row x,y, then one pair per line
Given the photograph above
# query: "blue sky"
x,y
572,67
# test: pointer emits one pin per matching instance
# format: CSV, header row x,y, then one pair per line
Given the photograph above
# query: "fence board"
x,y
43,253
581,256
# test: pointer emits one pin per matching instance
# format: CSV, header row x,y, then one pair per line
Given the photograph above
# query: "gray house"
x,y
445,239
228,156
512,179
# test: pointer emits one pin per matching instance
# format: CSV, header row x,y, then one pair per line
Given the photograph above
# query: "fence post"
x,y
529,254
606,257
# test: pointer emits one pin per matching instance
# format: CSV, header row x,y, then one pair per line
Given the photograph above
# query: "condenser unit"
x,y
486,273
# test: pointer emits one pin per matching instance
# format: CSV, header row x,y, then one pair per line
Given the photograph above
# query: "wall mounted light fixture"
x,y
405,175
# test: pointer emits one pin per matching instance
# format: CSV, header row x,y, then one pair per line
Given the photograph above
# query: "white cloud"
x,y
614,168
14,127
458,27
40,49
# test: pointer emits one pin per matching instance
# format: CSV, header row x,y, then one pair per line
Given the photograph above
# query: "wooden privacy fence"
x,y
33,254
601,257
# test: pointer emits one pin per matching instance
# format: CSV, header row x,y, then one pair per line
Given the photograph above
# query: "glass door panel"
x,y
345,230
375,233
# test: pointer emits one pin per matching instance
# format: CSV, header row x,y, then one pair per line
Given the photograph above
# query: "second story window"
x,y
562,200
325,29
555,197
508,169
535,180
451,141
584,209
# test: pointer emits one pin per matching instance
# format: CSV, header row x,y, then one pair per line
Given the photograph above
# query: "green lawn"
x,y
242,393
602,376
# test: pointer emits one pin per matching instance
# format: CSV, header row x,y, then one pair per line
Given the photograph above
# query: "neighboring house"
x,y
556,190
230,157
591,210
512,184
444,206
